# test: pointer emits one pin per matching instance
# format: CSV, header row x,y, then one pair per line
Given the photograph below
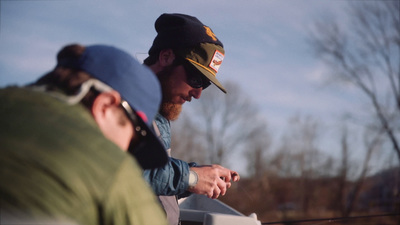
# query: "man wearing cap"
x,y
185,56
67,142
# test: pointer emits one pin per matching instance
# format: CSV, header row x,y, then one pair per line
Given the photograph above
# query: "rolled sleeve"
x,y
172,179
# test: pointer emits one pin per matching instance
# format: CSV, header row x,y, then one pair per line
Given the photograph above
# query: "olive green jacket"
x,y
56,165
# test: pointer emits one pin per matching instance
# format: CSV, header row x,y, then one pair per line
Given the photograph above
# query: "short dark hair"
x,y
68,80
62,78
153,58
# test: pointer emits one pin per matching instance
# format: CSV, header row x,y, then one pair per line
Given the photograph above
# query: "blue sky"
x,y
266,52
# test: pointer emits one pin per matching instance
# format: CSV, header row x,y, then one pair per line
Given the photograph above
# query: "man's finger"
x,y
222,185
217,192
228,185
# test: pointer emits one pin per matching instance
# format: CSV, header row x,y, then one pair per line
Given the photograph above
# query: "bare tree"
x,y
300,157
339,195
299,154
223,124
372,144
366,54
349,187
256,154
185,141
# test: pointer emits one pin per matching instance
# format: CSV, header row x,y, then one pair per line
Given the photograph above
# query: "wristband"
x,y
193,179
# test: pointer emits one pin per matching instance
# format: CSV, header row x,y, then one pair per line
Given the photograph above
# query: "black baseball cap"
x,y
193,41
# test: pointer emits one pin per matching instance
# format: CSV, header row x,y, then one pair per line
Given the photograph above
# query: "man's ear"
x,y
102,103
166,57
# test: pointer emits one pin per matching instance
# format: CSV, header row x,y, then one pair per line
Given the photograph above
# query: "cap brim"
x,y
209,76
149,152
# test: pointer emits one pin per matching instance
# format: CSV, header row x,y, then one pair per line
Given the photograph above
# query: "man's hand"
x,y
213,180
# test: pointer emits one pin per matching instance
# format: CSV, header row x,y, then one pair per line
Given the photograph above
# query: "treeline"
x,y
275,198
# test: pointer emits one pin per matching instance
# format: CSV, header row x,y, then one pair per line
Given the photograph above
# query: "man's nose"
x,y
196,92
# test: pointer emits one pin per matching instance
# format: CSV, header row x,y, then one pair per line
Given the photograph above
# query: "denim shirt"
x,y
173,178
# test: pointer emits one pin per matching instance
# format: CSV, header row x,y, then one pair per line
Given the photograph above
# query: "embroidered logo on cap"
x,y
210,33
216,60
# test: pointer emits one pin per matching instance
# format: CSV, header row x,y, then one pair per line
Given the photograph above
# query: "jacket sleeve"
x,y
130,201
172,179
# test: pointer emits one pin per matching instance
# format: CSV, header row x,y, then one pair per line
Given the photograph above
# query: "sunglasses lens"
x,y
194,78
206,84
195,81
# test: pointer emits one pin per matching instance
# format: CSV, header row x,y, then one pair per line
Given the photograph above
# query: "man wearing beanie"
x,y
185,56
